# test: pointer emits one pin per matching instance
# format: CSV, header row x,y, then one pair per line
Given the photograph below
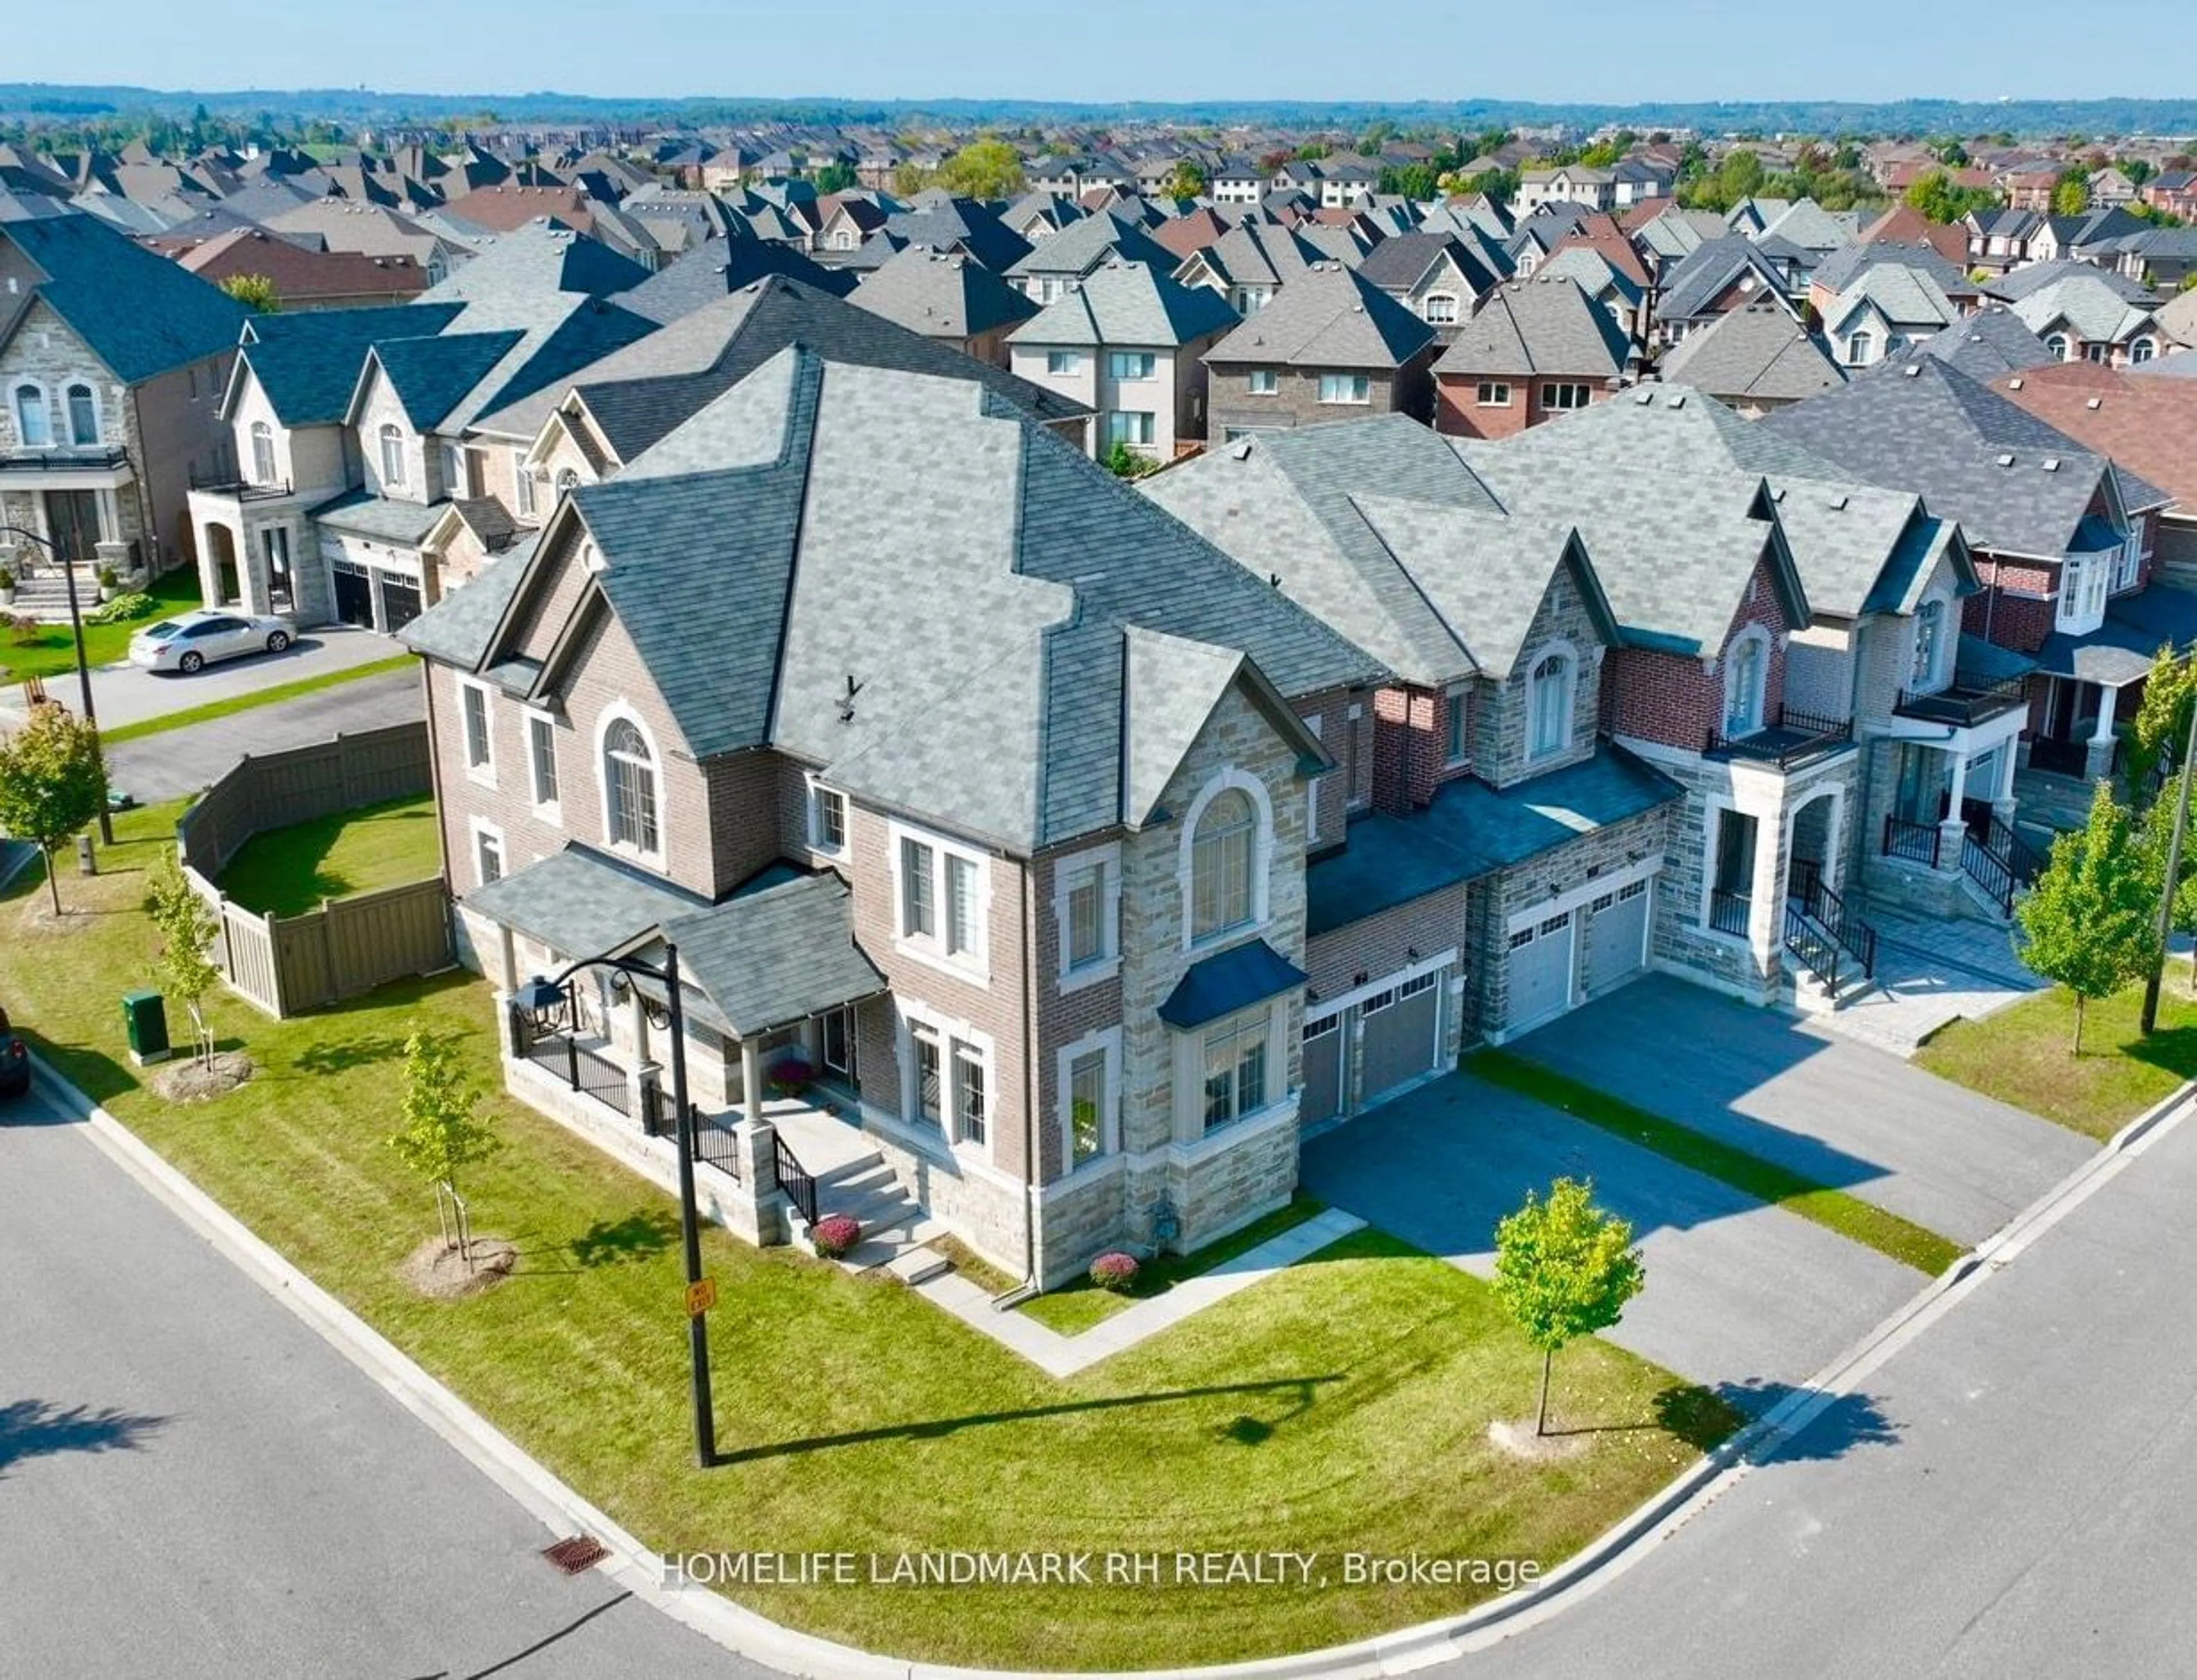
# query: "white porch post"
x,y
751,1082
1765,917
2098,756
1954,826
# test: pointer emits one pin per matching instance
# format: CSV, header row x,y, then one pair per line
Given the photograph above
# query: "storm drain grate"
x,y
575,1556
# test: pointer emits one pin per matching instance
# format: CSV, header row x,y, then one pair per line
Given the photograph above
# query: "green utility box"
x,y
146,1015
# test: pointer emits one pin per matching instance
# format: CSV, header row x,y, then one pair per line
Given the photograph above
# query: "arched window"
x,y
33,429
82,414
2141,351
1859,348
1549,706
263,452
1221,863
1929,646
1441,308
629,787
392,454
2057,344
1746,667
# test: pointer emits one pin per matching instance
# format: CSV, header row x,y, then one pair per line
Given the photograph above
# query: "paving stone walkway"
x,y
1930,973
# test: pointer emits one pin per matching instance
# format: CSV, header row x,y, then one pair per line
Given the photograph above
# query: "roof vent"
x,y
2014,384
2052,463
1913,370
1839,503
1677,401
2093,403
2006,461
1240,448
1644,398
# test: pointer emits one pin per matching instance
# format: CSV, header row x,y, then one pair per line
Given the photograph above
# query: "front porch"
x,y
1945,842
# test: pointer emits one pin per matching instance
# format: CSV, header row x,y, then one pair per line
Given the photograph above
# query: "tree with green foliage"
x,y
908,179
2071,193
1311,152
53,782
2087,922
2138,170
442,1132
983,169
1124,462
1186,180
1951,154
835,177
184,971
1416,182
1936,195
2161,726
256,291
1564,1268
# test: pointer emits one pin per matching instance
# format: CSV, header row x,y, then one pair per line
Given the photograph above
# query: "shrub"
x,y
122,609
108,577
1114,1271
7,578
834,1235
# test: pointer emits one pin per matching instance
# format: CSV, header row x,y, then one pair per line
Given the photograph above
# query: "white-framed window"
x,y
949,1070
392,454
522,485
568,480
1567,395
942,891
929,1055
1441,309
632,798
1129,425
541,762
1130,364
1263,382
1089,1073
455,480
2085,582
83,404
1345,388
827,818
1238,1081
1929,646
2129,564
263,452
1457,714
479,737
1859,348
972,1114
2057,344
1087,907
2142,351
34,426
1220,860
1549,705
1062,362
1746,669
1493,394
488,852
2097,350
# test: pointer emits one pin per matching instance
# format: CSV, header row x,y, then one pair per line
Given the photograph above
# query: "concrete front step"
x,y
918,1265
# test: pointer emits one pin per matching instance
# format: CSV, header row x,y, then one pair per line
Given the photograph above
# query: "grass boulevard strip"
x,y
1849,1216
251,702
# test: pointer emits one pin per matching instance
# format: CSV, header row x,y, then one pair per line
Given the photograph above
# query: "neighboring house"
x,y
717,267
2062,537
948,296
1613,285
1719,274
1636,181
1054,264
1879,314
303,278
1237,180
2174,191
1904,224
2110,187
1984,345
1844,267
112,362
2177,318
2083,317
1754,360
1569,184
2163,259
1051,970
1537,348
1436,276
1248,264
1126,342
1330,346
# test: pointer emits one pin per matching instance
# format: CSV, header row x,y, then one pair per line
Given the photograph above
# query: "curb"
x,y
634,1566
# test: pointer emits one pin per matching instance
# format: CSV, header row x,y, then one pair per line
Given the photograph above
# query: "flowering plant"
x,y
1114,1271
834,1235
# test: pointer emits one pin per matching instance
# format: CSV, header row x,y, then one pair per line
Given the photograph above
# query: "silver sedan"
x,y
193,640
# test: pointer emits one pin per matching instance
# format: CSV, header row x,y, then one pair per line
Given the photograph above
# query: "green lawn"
x,y
1834,1209
251,702
2023,1055
52,651
286,871
1340,1406
1076,1306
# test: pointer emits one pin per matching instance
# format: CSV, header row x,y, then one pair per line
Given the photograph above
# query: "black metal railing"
x,y
227,481
1966,701
1818,953
2059,758
89,459
1791,737
714,1142
1989,874
580,1068
2026,862
1729,911
1911,842
1805,891
793,1179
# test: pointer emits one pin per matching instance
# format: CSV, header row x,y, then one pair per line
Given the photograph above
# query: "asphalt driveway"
x,y
182,761
1807,1098
1738,1293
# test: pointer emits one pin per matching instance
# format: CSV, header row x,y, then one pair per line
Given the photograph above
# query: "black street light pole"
x,y
83,666
2167,890
538,993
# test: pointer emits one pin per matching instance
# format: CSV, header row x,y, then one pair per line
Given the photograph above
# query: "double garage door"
x,y
1402,1039
1546,973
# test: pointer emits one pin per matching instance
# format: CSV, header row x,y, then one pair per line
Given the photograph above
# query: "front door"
x,y
72,517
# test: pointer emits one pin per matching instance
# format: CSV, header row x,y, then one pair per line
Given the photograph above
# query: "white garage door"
x,y
1399,1033
1322,1070
1617,937
1540,972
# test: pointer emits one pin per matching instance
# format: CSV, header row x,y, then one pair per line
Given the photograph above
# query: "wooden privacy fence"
x,y
287,965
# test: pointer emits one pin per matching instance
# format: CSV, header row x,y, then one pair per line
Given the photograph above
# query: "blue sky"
x,y
1113,49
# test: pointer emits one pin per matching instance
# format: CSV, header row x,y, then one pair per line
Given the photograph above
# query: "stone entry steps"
x,y
853,1178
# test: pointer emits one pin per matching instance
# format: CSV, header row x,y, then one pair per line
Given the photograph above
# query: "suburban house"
x,y
1436,275
1536,349
112,364
1248,264
1569,184
304,278
1128,343
947,297
1618,287
1054,264
1985,344
1034,915
1331,343
1719,274
1887,308
1753,359
2085,317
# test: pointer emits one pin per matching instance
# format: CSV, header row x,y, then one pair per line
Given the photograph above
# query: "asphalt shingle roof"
x,y
1128,302
772,957
941,294
308,362
1327,317
1538,326
140,313
1760,352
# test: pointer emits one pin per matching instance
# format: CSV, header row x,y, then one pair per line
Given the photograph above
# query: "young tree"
x,y
835,177
186,927
442,1132
1187,180
52,783
256,291
2087,923
2161,729
1564,1268
983,169
2071,194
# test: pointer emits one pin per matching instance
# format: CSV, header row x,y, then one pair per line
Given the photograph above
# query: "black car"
x,y
14,1061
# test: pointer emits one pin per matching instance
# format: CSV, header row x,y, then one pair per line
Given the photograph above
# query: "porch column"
x,y
751,1082
2098,755
1766,916
507,951
1953,828
641,1075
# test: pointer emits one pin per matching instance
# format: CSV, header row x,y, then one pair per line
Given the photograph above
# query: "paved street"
x,y
193,1483
125,694
2016,1493
1739,1294
182,761
1798,1093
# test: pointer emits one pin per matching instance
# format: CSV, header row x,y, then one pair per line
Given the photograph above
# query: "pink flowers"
x,y
834,1235
1114,1271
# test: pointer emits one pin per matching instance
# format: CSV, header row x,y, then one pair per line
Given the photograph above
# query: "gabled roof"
x,y
1759,352
1082,246
138,312
1843,267
1984,345
308,362
1328,316
1705,272
1538,326
431,376
1808,225
1129,303
1903,298
942,294
951,223
2019,283
1400,262
2095,311
718,266
536,258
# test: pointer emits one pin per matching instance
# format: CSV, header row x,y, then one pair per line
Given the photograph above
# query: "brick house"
x,y
1331,344
1535,350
